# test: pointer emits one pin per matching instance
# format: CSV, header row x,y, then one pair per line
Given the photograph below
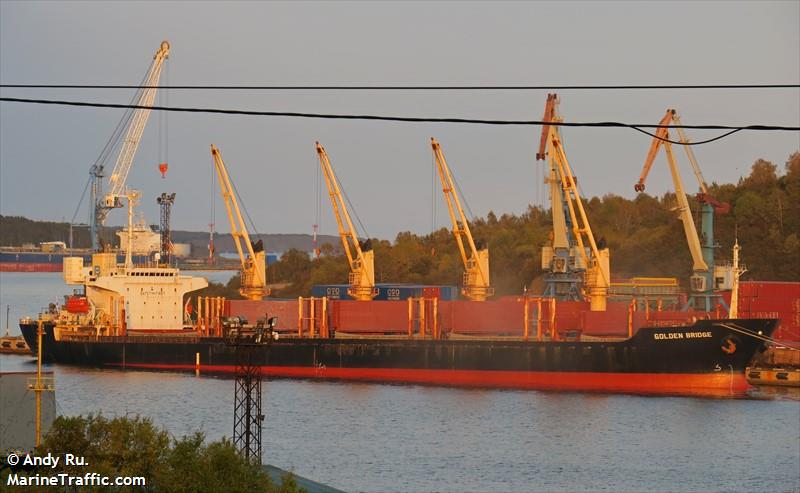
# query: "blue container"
x,y
449,293
397,292
332,291
388,292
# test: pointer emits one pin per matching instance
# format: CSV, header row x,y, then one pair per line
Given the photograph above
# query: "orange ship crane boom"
x,y
560,236
690,230
360,256
254,269
672,117
476,275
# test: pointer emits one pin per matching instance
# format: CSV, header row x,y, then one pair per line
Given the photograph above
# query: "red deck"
x,y
505,316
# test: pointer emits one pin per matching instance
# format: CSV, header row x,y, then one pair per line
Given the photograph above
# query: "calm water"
x,y
365,437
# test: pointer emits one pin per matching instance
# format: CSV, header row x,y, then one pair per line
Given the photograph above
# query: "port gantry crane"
x,y
705,272
254,269
359,255
570,269
476,267
135,120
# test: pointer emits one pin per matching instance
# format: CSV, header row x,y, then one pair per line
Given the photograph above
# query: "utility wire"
x,y
336,87
638,127
80,202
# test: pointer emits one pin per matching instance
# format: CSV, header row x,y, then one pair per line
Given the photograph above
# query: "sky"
x,y
385,168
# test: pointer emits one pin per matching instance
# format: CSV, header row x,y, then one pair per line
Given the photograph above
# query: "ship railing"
x,y
64,331
210,311
423,318
539,316
312,317
147,339
44,383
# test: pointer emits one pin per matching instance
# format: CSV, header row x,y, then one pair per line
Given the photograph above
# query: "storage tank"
x,y
73,270
181,250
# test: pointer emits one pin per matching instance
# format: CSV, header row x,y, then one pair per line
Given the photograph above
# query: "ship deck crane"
x,y
101,204
254,269
476,276
359,255
568,210
703,265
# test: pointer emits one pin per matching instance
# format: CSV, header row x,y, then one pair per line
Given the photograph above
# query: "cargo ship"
x,y
30,260
44,258
49,256
133,317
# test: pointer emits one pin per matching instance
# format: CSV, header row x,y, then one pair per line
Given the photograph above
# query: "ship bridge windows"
x,y
152,274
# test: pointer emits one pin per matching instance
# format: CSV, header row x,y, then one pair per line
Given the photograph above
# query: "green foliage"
x,y
645,236
229,291
133,446
16,231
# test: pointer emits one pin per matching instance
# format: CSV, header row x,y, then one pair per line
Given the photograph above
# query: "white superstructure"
x,y
125,299
134,299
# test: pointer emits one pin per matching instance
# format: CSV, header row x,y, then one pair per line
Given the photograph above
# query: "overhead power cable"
x,y
638,126
476,87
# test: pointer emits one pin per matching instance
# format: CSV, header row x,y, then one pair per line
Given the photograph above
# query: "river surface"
x,y
370,437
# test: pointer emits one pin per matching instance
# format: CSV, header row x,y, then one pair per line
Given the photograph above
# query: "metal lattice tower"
x,y
165,201
248,417
252,350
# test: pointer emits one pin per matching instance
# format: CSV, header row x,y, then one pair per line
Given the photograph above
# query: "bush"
x,y
133,446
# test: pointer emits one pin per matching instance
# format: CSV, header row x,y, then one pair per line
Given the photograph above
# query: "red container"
x,y
285,310
432,292
768,299
371,317
503,317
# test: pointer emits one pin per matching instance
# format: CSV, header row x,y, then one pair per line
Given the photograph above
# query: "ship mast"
x,y
40,384
733,312
132,196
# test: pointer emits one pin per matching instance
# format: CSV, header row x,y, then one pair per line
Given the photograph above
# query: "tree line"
x,y
644,234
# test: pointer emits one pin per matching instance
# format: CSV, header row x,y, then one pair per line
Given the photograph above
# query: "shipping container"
x,y
332,291
444,293
768,299
388,292
397,292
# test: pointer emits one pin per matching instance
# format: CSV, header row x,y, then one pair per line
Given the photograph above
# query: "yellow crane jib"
x,y
598,270
359,254
560,240
254,267
476,266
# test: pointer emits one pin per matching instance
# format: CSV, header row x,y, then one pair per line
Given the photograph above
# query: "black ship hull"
x,y
707,357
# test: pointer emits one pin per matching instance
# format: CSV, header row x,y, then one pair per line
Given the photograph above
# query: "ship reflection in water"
x,y
373,437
